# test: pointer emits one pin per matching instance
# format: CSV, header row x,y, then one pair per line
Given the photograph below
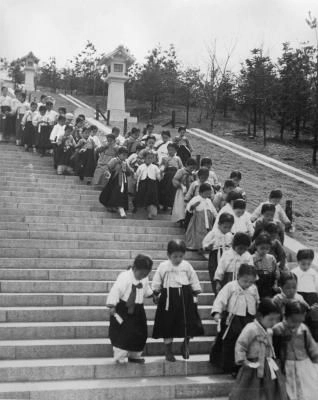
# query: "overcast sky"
x,y
60,28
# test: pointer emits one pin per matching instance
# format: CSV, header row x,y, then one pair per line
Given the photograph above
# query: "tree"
x,y
15,71
226,93
50,75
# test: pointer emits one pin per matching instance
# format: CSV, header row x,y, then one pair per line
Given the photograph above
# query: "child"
x,y
134,161
61,111
228,208
162,147
275,197
259,377
22,108
132,142
203,215
268,212
232,259
277,250
219,200
297,352
51,114
307,286
177,314
169,166
42,101
217,242
28,125
202,177
288,286
266,266
63,153
120,139
57,133
128,321
106,153
182,181
206,162
43,131
242,220
69,119
86,157
93,136
147,176
234,307
184,146
115,193
236,177
150,148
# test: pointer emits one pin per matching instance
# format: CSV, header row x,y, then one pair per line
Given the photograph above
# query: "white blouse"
x,y
57,132
307,281
243,224
122,288
235,300
145,171
231,262
218,240
51,116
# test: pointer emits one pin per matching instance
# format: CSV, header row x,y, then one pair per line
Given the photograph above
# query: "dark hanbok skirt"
x,y
44,137
147,194
63,156
132,334
265,284
222,352
312,315
249,386
87,163
28,135
182,318
167,191
212,265
184,153
112,196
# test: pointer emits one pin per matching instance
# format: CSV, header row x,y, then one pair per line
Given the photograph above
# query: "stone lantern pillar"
x,y
30,69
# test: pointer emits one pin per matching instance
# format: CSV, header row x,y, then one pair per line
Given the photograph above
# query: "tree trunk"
x,y
225,107
187,113
254,120
297,128
264,129
282,130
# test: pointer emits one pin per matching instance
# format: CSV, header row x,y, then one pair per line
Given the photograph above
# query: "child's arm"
x,y
194,281
190,192
277,274
180,165
114,295
191,206
282,215
157,282
189,145
242,345
221,269
158,174
220,303
311,346
176,180
257,213
249,226
281,255
208,241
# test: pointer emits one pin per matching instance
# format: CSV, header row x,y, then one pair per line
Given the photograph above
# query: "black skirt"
x,y
167,191
63,156
28,135
222,352
87,163
132,334
44,137
184,153
147,194
213,264
312,316
182,318
112,196
265,284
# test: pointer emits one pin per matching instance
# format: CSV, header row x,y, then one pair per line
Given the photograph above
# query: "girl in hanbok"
x,y
115,194
43,131
28,126
128,321
22,108
169,166
184,145
106,153
217,242
182,181
234,307
259,377
134,161
297,352
202,219
176,287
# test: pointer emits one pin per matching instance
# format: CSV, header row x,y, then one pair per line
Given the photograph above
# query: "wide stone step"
x,y
48,189
44,286
21,200
69,313
71,330
71,274
78,348
71,299
156,388
47,229
69,263
99,368
92,194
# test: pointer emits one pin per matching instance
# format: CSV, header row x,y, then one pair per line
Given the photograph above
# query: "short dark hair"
x,y
294,307
286,276
228,183
122,150
246,269
305,254
182,128
206,161
204,187
203,171
166,133
150,125
191,162
92,127
263,238
151,137
42,108
33,103
173,145
266,307
241,239
63,109
239,204
276,194
61,118
139,147
268,207
135,130
271,227
226,217
233,195
115,129
236,174
176,245
82,116
143,262
111,136
68,128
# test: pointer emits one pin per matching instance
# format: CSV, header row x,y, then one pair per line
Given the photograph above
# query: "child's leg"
x,y
120,355
152,211
122,212
168,351
136,357
185,348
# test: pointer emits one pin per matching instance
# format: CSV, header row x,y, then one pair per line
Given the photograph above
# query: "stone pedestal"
x,y
29,80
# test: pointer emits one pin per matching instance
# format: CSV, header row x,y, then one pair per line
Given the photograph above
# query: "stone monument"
x,y
118,63
30,69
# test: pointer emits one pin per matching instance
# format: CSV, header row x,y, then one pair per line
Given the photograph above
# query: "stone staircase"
x,y
60,252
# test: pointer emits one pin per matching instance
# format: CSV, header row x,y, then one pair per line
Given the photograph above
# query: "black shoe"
x,y
185,351
136,360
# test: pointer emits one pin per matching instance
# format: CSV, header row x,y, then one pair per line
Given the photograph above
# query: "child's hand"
x,y
250,364
216,317
156,298
218,286
314,307
112,311
195,204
